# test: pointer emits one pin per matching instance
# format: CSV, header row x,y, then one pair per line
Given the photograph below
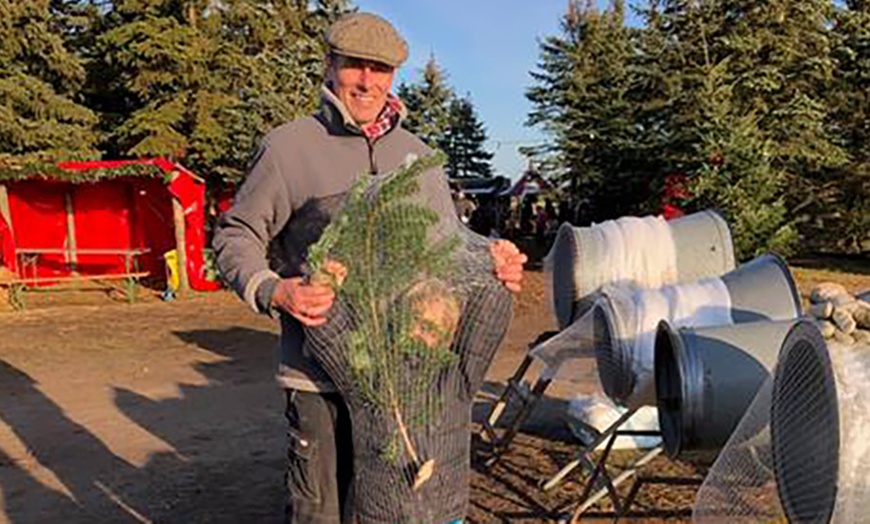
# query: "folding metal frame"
x,y
599,475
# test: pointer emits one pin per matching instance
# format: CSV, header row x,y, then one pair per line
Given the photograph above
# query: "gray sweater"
x,y
296,184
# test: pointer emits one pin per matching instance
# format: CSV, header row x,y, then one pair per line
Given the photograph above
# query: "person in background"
x,y
540,223
465,206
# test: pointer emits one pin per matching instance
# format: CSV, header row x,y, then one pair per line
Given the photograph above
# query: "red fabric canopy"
x,y
190,192
519,189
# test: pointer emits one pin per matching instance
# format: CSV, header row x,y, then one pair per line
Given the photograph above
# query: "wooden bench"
x,y
29,258
16,286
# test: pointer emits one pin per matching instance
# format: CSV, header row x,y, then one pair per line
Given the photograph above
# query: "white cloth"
x,y
698,304
599,413
633,249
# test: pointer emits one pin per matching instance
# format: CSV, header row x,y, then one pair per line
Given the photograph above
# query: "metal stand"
x,y
608,435
528,399
600,475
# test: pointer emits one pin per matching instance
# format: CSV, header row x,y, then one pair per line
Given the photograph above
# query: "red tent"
x,y
531,182
103,218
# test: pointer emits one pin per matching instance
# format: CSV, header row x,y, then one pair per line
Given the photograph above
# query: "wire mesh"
x,y
800,452
630,249
418,317
645,251
570,365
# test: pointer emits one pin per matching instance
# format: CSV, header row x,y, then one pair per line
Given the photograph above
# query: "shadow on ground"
x,y
232,424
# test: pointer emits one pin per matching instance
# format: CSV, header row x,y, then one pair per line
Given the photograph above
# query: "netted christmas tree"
x,y
418,317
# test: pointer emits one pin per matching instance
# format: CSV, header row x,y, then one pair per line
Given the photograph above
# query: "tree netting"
x,y
648,252
417,320
616,339
621,324
801,452
591,271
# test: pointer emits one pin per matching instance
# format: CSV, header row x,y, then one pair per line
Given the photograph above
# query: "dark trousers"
x,y
320,453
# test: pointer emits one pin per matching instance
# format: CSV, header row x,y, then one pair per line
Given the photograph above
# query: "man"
x,y
297,180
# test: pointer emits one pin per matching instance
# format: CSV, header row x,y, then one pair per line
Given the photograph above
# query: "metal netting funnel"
x,y
804,431
576,341
418,317
626,319
614,322
583,259
801,451
570,371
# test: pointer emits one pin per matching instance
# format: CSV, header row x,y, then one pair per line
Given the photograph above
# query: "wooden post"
x,y
181,253
73,257
4,207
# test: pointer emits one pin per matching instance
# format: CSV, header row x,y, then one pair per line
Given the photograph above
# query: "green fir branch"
x,y
383,236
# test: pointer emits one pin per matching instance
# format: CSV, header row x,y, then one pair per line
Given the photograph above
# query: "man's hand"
x,y
333,273
508,262
308,303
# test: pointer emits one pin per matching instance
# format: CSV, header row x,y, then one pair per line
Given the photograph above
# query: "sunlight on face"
x,y
361,85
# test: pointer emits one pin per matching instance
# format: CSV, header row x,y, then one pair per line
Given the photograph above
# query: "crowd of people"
x,y
529,216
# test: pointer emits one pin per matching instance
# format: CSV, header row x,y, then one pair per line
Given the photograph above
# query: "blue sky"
x,y
487,48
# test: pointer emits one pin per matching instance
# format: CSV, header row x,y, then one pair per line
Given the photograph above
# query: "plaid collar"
x,y
386,121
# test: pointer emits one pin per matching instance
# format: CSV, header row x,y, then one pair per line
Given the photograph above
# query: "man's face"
x,y
361,85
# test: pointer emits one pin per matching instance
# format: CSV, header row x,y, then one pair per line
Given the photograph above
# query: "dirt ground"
x,y
168,413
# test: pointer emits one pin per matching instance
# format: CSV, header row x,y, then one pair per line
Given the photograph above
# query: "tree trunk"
x,y
191,14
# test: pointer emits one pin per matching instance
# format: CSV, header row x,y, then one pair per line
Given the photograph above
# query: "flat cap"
x,y
368,36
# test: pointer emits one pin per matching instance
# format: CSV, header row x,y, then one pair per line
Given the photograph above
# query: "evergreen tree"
x,y
780,67
783,69
428,105
444,121
713,135
776,64
672,63
652,88
464,141
582,99
849,193
732,93
41,117
738,175
201,80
